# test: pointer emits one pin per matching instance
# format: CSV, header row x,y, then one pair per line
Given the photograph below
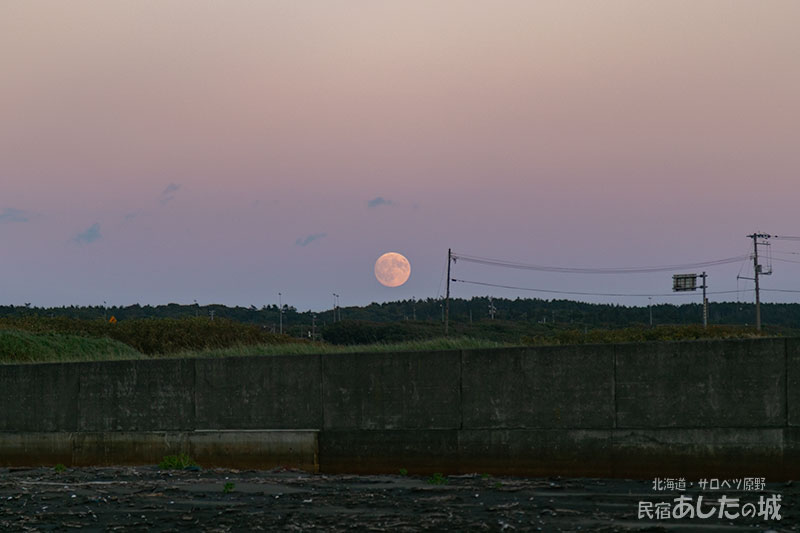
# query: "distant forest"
x,y
563,313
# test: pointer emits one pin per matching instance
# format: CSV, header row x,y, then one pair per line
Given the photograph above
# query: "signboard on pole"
x,y
684,282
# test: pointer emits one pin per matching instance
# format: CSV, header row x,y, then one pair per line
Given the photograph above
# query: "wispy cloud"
x,y
378,201
10,215
168,194
130,216
91,235
311,238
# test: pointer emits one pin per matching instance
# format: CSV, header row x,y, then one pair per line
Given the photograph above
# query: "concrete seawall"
x,y
631,410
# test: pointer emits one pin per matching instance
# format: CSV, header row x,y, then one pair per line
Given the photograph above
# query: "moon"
x,y
392,269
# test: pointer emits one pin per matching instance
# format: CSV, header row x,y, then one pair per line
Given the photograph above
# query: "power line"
x,y
570,270
550,291
784,260
780,290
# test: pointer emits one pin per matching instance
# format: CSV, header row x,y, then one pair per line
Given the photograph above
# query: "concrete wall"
x,y
653,409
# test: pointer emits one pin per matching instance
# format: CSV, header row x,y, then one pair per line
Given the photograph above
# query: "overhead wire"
x,y
784,260
571,270
551,291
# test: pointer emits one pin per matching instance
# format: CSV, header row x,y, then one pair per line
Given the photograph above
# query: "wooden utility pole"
x,y
705,301
447,297
756,272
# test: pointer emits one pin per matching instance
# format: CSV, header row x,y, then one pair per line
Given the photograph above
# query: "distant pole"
x,y
334,307
447,297
757,271
280,313
650,308
705,301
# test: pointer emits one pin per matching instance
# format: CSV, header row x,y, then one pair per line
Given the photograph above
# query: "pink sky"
x,y
169,151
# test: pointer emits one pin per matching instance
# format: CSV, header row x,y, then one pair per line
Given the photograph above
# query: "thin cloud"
x,y
311,238
10,215
378,201
131,216
91,235
168,194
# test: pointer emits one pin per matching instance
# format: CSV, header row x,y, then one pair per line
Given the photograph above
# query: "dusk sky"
x,y
172,151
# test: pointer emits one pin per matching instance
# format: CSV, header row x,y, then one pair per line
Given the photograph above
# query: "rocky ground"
x,y
148,499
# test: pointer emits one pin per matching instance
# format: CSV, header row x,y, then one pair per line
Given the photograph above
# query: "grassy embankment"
x,y
39,339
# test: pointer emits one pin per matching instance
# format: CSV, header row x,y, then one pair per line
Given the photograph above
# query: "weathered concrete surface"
x,y
35,448
547,387
152,395
711,407
388,451
701,384
240,449
536,452
404,390
41,397
793,382
125,447
714,452
265,392
256,449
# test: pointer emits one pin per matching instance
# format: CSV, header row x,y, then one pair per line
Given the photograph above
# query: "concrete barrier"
x,y
701,384
547,387
233,449
154,395
653,409
404,390
40,397
275,392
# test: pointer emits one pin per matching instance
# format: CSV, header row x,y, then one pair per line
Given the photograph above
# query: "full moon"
x,y
392,269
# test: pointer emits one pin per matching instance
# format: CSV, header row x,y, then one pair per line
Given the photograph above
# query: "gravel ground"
x,y
147,499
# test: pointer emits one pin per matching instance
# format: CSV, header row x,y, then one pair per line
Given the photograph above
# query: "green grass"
x,y
321,348
437,479
36,339
24,347
176,462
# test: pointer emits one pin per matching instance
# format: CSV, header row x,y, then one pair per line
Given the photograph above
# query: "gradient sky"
x,y
168,151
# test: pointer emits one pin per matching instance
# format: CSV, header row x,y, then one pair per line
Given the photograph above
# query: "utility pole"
x,y
335,305
756,272
280,311
650,308
447,298
705,301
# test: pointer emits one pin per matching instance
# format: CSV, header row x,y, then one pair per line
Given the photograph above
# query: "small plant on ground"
x,y
485,476
403,472
59,468
437,479
228,488
176,462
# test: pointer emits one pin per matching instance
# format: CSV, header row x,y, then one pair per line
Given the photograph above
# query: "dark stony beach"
x,y
148,499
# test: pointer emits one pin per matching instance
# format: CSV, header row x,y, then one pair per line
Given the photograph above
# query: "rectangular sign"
x,y
684,282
